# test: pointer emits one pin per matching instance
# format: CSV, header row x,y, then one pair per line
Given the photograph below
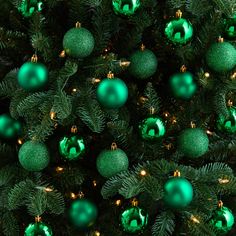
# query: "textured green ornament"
x,y
143,64
112,162
28,7
78,42
34,156
125,7
38,229
228,124
83,213
178,192
9,128
134,220
112,93
32,76
182,85
230,28
222,219
193,142
221,57
152,128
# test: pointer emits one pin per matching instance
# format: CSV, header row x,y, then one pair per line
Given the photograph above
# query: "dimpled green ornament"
x,y
230,28
28,7
112,92
221,57
33,156
228,124
143,63
83,213
112,162
78,42
193,143
38,229
125,7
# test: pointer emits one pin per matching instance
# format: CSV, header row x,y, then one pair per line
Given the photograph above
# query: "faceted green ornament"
x,y
38,229
228,124
83,213
125,7
178,192
230,28
193,143
29,7
9,128
134,220
182,85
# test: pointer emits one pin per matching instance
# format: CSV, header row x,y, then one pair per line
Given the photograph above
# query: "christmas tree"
x,y
118,117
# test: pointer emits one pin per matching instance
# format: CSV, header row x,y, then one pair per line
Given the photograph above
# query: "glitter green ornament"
x,y
112,92
125,7
38,229
33,156
143,63
179,31
228,124
230,28
112,162
29,7
78,42
32,76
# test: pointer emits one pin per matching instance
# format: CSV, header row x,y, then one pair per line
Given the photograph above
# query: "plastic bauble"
x,y
38,229
221,57
34,156
143,64
78,42
228,124
125,7
134,220
83,213
230,28
29,7
182,85
178,192
32,76
193,143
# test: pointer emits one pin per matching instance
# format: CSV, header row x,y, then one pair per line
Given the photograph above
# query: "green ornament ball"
x,y
78,42
34,156
221,57
72,147
38,229
125,7
193,143
112,93
222,219
182,85
83,213
9,128
152,128
112,162
179,31
32,76
134,220
230,28
178,192
143,64
228,124
29,7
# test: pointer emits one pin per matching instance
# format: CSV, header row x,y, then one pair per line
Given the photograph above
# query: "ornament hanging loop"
x,y
74,129
177,173
113,146
78,24
34,58
179,14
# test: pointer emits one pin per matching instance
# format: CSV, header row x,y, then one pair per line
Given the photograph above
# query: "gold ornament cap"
x,y
179,14
177,173
113,146
110,75
34,58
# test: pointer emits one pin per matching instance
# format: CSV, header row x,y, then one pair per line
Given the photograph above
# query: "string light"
x,y
74,90
166,114
209,132
233,76
62,54
73,195
194,219
94,183
52,115
20,141
95,80
59,169
207,74
118,202
143,172
97,233
173,120
223,181
48,189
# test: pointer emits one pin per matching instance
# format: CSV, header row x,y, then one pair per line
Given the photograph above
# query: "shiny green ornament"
x,y
38,229
112,92
221,57
83,213
228,124
29,7
193,143
34,156
230,28
134,220
143,63
9,128
112,162
78,42
125,7
178,192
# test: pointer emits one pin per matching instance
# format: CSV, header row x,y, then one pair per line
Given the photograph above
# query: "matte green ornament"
x,y
83,213
78,42
228,124
33,156
134,220
221,57
38,229
143,63
125,7
230,28
112,92
29,7
9,128
112,162
193,143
